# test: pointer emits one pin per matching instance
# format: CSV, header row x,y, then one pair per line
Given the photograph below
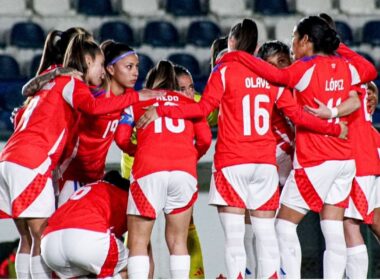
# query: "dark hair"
x,y
112,50
162,76
271,48
245,33
56,45
220,44
113,177
323,37
78,47
180,70
328,19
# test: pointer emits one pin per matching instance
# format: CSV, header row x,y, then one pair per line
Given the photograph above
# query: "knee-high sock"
x,y
290,249
233,227
179,266
22,266
268,253
249,240
335,255
357,262
195,252
138,267
39,269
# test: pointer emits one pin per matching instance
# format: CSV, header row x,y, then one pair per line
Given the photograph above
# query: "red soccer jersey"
x,y
282,131
43,128
245,102
100,207
363,140
166,144
327,78
85,155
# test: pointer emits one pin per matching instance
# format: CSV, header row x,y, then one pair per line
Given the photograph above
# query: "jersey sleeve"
x,y
210,100
362,70
300,118
203,136
288,76
78,95
124,132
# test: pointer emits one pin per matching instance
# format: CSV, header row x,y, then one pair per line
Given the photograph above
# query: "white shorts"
x,y
25,192
362,199
311,187
249,186
377,187
170,191
77,252
284,163
68,188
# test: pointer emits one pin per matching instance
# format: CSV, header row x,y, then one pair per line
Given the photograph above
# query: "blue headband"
x,y
116,59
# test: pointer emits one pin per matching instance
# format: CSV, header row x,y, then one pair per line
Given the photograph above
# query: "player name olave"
x,y
257,82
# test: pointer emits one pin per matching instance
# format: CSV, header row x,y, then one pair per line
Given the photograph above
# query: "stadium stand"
x,y
161,34
14,7
312,7
188,61
117,30
203,33
95,7
47,8
229,8
271,7
27,35
184,7
345,32
371,33
141,8
355,7
9,68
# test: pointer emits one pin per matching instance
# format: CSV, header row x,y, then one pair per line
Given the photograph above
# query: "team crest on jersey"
x,y
49,86
333,65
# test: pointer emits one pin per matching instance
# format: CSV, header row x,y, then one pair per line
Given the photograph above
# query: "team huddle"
x,y
294,135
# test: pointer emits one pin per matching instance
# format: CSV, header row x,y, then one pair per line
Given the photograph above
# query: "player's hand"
x,y
322,111
147,94
372,103
14,113
149,116
343,130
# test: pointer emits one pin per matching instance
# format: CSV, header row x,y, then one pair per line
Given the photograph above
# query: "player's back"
x,y
42,129
327,78
98,207
166,144
244,131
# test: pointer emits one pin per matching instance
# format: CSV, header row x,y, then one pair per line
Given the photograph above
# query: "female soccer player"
x,y
162,178
317,74
37,144
245,175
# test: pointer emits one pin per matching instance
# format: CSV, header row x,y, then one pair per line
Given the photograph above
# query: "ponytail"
x,y
78,48
51,53
245,34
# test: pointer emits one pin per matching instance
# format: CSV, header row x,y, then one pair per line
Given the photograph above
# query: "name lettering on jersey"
x,y
250,82
168,98
334,85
